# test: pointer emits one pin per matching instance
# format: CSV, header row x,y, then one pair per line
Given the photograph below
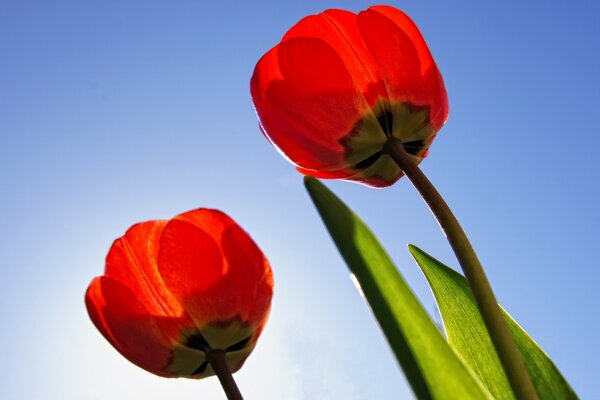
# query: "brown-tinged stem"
x,y
509,356
216,359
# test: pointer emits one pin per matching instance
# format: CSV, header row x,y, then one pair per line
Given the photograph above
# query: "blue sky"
x,y
114,112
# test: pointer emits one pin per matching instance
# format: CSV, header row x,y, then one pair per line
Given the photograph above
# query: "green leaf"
x,y
469,338
431,367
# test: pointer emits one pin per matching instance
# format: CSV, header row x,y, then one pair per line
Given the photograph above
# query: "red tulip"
x,y
175,290
340,85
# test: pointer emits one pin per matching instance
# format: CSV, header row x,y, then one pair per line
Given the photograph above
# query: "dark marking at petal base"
x,y
414,147
197,341
385,119
367,162
201,368
239,345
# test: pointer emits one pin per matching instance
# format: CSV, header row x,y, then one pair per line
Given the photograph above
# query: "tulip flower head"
x,y
340,85
173,291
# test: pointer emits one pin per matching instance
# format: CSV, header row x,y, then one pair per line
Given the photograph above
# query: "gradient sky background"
x,y
114,112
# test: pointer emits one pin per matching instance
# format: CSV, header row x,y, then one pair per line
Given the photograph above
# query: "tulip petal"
x,y
307,102
126,324
339,29
217,272
132,261
214,269
339,174
404,60
191,263
247,264
213,222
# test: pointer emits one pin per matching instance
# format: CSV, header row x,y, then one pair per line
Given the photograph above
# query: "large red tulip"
x,y
339,85
174,290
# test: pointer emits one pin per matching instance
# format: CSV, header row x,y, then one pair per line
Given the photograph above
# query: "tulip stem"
x,y
502,339
216,359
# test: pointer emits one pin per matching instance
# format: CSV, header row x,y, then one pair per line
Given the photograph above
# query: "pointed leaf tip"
x,y
469,338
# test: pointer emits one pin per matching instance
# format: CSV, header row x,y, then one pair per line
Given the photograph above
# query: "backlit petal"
x,y
249,275
214,269
339,174
339,29
404,60
307,101
132,261
191,263
126,324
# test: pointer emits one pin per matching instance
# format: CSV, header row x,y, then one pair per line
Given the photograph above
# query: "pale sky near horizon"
x,y
115,112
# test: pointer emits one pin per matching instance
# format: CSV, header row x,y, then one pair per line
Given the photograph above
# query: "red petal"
x,y
126,324
404,60
338,28
132,261
213,268
307,101
190,262
249,275
339,174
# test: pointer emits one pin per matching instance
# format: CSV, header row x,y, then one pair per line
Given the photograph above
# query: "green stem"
x,y
216,359
510,358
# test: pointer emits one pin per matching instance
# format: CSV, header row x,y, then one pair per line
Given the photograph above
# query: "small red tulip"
x,y
340,85
174,290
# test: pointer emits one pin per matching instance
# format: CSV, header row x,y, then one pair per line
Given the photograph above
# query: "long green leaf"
x,y
430,365
468,337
